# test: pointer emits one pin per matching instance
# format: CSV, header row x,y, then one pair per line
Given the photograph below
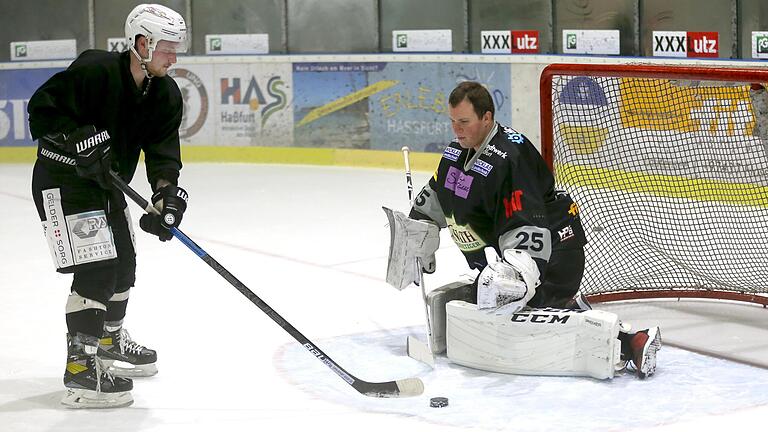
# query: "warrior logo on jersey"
x,y
451,153
464,236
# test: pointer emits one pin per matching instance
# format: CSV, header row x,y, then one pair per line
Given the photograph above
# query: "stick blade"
x,y
418,350
410,387
406,387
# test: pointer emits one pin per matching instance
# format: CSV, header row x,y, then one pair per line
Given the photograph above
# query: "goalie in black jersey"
x,y
93,117
496,195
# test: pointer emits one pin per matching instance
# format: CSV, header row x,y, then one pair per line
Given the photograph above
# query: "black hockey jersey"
x,y
98,89
501,196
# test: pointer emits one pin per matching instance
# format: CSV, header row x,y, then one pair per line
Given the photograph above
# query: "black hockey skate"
x,y
124,357
88,382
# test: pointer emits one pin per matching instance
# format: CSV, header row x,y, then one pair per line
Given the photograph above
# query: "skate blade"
x,y
649,356
89,399
128,370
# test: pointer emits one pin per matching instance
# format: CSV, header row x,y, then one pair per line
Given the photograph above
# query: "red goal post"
x,y
669,167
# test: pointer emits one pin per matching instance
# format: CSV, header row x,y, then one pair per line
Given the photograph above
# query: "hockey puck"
x,y
438,402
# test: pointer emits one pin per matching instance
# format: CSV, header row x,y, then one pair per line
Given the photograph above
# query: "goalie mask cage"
x,y
669,168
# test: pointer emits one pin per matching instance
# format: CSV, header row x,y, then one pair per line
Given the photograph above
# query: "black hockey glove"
x,y
172,202
92,154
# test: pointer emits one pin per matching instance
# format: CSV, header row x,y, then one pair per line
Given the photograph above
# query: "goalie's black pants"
x,y
561,280
106,281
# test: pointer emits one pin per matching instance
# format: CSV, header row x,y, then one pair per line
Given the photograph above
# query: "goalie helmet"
x,y
156,23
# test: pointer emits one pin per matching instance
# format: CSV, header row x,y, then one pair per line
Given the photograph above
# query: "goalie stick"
x,y
399,388
415,348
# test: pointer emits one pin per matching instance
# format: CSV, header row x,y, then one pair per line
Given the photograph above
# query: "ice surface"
x,y
312,242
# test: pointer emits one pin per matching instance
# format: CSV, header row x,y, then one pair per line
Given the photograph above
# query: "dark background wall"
x,y
365,26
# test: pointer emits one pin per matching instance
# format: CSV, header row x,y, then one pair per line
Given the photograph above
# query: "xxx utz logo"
x,y
703,44
525,42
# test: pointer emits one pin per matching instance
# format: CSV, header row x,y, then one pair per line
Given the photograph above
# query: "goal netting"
x,y
669,167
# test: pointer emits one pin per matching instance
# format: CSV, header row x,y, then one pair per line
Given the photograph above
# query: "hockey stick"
x,y
398,388
415,348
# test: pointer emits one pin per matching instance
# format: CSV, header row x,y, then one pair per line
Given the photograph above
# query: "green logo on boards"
x,y
570,41
762,44
21,50
215,44
402,40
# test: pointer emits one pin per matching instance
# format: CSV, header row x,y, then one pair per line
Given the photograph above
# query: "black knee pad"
x,y
562,279
96,282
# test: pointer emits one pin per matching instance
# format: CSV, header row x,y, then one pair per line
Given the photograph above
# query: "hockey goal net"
x,y
669,167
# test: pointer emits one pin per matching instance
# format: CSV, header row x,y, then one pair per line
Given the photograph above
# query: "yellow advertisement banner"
x,y
664,105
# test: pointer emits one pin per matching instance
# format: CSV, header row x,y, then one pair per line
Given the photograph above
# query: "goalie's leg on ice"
x,y
538,341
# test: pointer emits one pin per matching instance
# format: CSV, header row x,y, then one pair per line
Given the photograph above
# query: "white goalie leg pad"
x,y
546,341
409,239
437,299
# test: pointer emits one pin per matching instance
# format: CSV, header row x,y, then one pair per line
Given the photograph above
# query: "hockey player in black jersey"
x,y
496,195
98,115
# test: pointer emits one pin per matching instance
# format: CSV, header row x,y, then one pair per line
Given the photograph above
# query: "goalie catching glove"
x,y
171,202
410,239
507,285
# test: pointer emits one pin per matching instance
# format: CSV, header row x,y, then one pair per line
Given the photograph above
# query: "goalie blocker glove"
x,y
409,239
171,202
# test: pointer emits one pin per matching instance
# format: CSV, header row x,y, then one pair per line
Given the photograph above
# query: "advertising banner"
x,y
760,45
117,44
422,41
385,106
238,104
16,87
685,44
44,50
330,103
230,44
413,110
591,42
595,115
510,42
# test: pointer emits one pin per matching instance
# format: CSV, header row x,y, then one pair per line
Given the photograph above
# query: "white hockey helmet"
x,y
156,23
